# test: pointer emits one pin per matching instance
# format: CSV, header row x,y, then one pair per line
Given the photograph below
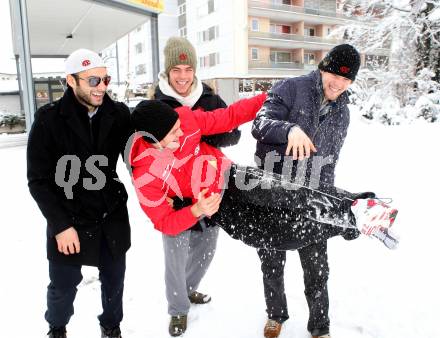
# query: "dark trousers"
x,y
277,215
62,289
316,270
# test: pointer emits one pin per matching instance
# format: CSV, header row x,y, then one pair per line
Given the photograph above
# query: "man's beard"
x,y
83,98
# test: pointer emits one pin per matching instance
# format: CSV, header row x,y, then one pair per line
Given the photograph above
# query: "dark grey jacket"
x,y
297,101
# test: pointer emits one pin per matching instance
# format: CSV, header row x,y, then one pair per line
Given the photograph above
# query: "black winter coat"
x,y
62,128
208,101
297,101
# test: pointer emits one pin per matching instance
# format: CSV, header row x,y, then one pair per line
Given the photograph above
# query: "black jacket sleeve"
x,y
225,139
41,167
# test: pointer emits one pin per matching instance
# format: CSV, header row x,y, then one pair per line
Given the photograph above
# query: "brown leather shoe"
x,y
272,329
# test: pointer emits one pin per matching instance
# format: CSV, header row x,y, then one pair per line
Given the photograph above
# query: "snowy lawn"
x,y
374,292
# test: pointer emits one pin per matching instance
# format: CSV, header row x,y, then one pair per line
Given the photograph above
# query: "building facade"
x,y
129,60
242,39
261,38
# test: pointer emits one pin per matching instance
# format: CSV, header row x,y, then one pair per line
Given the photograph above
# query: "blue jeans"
x,y
62,289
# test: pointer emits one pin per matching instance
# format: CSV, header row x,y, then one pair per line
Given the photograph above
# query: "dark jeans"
x,y
62,288
315,266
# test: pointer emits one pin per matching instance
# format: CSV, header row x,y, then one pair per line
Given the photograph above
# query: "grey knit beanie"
x,y
179,51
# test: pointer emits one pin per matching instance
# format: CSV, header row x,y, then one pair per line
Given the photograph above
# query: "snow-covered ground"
x,y
374,292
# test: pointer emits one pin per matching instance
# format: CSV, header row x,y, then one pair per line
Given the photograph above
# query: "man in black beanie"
x,y
169,160
305,117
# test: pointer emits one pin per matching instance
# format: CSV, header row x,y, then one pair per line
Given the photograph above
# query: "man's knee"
x,y
272,263
63,276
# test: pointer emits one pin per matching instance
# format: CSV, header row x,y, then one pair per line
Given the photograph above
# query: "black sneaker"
x,y
199,298
177,325
111,333
57,332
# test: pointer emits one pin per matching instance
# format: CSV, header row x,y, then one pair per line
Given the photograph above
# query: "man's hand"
x,y
207,206
299,144
68,241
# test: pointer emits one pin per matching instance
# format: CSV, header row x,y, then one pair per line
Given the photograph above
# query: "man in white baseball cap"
x,y
85,206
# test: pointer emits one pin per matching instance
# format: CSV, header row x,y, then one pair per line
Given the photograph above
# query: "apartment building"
x,y
241,39
290,37
261,38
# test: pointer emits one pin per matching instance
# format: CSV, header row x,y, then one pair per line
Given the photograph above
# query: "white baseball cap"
x,y
81,60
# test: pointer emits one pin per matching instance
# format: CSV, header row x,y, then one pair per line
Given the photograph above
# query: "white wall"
x,y
231,44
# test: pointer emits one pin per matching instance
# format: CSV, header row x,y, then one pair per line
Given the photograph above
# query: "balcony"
x,y
276,65
283,40
289,12
278,69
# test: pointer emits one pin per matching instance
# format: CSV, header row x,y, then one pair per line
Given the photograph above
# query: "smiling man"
x,y
90,225
179,86
305,117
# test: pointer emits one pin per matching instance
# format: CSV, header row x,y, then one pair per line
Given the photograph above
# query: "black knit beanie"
x,y
154,117
343,60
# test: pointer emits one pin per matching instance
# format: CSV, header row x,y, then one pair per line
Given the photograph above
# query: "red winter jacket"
x,y
161,173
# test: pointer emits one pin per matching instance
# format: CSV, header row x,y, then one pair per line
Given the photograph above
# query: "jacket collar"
x,y
190,100
159,95
71,107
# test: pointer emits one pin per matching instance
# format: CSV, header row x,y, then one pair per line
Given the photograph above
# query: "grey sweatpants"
x,y
187,258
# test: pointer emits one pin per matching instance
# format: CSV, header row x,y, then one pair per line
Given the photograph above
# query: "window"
x,y
182,9
141,69
280,29
211,6
255,24
138,48
207,8
254,54
182,17
208,35
181,20
309,31
209,60
213,59
280,57
309,58
182,32
329,30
